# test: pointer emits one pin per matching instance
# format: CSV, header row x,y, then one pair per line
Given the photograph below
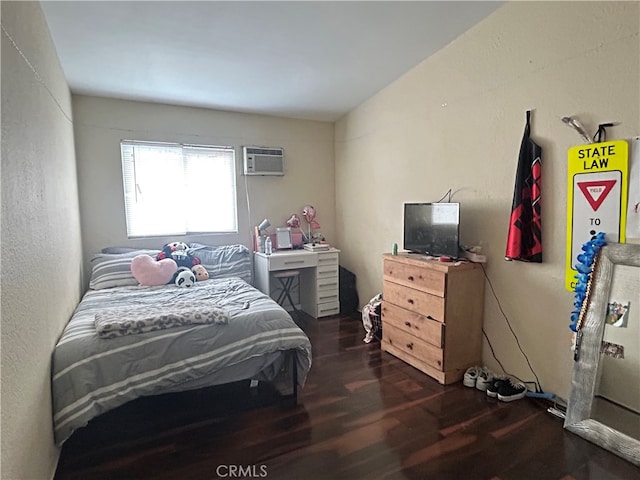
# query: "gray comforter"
x,y
91,375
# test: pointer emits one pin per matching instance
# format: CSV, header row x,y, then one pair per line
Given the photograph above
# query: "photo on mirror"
x,y
617,314
612,350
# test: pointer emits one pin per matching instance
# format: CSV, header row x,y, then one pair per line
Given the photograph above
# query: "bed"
x,y
97,367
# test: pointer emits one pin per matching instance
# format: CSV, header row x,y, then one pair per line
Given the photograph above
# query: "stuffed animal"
x,y
185,278
200,272
180,253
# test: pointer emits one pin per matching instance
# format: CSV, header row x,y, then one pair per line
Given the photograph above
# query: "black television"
x,y
432,229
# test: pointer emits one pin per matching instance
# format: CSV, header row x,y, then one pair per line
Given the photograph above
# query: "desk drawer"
x,y
326,271
292,261
329,283
326,309
327,258
326,296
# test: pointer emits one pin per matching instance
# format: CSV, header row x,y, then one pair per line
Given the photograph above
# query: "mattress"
x,y
91,374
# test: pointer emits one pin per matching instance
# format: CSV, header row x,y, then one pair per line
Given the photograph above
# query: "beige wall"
x,y
455,122
101,123
41,245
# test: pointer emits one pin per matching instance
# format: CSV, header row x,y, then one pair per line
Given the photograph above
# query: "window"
x,y
172,189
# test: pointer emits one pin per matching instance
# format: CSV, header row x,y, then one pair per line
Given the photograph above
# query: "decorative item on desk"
x,y
283,238
294,221
297,235
309,214
258,237
264,225
317,247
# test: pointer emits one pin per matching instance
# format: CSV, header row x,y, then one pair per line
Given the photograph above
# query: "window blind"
x,y
173,189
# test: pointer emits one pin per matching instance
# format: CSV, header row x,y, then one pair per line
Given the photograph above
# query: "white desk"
x,y
318,290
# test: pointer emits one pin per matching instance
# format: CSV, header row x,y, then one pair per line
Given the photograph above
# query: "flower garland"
x,y
585,268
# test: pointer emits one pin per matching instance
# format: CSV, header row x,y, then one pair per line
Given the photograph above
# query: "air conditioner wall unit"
x,y
263,161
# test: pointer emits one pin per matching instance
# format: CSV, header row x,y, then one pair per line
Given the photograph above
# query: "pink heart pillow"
x,y
150,272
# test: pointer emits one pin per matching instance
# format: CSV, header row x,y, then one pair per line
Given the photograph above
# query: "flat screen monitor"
x,y
432,228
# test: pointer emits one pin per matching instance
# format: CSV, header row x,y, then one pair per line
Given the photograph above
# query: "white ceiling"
x,y
300,59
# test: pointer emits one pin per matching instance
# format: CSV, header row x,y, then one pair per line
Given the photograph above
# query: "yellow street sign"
x,y
597,197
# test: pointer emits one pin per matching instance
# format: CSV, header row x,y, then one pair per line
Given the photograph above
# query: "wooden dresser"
x,y
432,314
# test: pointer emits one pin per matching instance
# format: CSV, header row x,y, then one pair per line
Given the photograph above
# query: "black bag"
x,y
349,301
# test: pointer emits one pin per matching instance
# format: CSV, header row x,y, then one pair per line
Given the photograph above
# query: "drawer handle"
x,y
408,324
411,278
328,284
410,300
292,262
410,346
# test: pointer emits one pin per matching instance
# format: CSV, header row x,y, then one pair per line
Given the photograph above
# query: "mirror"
x,y
604,404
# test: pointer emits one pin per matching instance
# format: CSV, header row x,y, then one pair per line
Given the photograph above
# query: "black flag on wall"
x,y
524,240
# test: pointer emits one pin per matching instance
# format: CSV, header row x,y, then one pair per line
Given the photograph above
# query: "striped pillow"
x,y
110,270
224,260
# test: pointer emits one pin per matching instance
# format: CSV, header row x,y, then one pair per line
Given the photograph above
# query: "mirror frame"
x,y
578,416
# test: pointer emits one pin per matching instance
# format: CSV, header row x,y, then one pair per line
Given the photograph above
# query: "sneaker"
x,y
494,385
485,378
470,376
511,390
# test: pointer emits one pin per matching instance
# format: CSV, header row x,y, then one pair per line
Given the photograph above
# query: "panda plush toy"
x,y
180,253
185,278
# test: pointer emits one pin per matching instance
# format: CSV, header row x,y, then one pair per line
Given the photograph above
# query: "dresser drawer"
x,y
411,276
431,331
291,261
431,306
413,346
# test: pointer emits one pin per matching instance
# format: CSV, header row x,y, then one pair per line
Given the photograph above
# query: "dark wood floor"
x,y
362,415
